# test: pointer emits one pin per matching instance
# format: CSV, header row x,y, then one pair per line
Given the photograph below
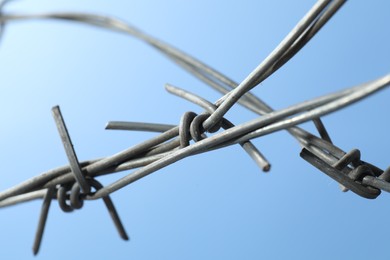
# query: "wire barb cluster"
x,y
198,133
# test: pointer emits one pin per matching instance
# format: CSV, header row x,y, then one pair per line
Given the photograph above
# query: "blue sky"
x,y
217,205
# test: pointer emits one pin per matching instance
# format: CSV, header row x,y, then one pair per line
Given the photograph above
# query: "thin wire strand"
x,y
246,128
173,143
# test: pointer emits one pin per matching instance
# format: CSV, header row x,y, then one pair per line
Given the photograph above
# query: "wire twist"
x,y
73,184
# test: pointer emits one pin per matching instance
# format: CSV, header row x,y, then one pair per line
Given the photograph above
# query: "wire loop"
x,y
62,198
196,128
72,184
346,169
184,128
76,199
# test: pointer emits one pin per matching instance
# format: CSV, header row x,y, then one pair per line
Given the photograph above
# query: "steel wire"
x,y
202,132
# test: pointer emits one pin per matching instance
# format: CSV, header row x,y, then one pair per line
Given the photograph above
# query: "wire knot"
x,y
70,197
345,168
191,127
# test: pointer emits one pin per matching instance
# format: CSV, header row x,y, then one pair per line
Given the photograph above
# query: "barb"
x,y
210,130
70,152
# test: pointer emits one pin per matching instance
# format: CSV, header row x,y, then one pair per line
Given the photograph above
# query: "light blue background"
x,y
217,205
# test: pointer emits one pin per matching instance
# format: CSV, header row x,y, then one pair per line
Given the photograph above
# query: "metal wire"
x,y
72,184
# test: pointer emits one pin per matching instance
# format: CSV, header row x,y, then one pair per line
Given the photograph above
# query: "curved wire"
x,y
173,142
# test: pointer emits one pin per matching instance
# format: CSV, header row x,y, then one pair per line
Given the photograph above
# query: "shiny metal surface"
x,y
73,184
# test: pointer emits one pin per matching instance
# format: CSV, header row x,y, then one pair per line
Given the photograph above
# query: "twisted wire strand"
x,y
200,133
247,131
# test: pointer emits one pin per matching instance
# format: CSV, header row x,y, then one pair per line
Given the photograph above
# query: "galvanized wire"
x,y
72,184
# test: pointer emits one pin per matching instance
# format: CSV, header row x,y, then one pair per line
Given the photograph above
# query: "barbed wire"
x,y
75,183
